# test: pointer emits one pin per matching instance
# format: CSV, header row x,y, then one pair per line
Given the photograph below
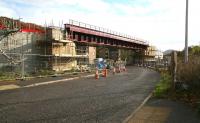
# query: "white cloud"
x,y
161,21
5,10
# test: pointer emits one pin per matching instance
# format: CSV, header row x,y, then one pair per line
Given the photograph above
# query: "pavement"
x,y
14,84
165,111
82,100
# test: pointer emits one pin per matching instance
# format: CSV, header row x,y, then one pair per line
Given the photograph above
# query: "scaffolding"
x,y
27,49
7,28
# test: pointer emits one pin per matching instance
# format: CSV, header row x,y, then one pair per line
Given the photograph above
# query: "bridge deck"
x,y
82,32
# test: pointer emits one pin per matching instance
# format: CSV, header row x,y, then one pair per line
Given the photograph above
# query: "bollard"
x,y
96,74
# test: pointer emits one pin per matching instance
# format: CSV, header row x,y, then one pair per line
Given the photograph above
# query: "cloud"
x,y
5,10
161,22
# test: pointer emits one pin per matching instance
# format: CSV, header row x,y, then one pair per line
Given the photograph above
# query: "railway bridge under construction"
x,y
109,44
93,35
32,47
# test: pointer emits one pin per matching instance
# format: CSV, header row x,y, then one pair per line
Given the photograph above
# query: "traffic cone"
x,y
96,74
105,72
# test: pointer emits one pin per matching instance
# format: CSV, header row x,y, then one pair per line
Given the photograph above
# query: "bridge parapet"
x,y
105,32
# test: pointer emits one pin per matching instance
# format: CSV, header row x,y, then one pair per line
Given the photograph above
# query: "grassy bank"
x,y
163,87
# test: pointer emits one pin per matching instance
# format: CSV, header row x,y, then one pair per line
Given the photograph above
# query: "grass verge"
x,y
164,90
164,85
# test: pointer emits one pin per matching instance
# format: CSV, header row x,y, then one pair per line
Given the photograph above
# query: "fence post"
x,y
174,68
22,71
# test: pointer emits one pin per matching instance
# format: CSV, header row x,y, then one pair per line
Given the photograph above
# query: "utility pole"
x,y
186,33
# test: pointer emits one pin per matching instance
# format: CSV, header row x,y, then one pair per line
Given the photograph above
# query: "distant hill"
x,y
168,52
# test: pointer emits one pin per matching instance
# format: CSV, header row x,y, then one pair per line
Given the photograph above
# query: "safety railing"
x,y
100,29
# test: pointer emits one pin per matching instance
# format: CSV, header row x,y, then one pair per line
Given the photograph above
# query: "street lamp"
x,y
186,33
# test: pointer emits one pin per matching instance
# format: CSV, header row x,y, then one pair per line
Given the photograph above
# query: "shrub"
x,y
190,73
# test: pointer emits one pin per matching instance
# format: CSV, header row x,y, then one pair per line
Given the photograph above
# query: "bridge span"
x,y
97,36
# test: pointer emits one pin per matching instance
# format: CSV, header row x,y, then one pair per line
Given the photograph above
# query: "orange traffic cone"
x,y
105,72
96,74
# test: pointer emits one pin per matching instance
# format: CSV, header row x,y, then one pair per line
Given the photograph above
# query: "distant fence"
x,y
159,63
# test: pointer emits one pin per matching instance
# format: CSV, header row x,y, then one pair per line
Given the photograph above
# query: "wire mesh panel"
x,y
10,66
33,65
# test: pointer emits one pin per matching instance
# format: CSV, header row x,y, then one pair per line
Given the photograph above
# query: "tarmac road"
x,y
86,100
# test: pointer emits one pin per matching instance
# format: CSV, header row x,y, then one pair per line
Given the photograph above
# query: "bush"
x,y
190,73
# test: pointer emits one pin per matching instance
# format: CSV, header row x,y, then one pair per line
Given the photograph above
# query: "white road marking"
x,y
49,82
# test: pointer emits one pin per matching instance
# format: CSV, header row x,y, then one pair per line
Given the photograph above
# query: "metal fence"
x,y
33,65
159,63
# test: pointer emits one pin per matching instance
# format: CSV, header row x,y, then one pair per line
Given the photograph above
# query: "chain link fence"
x,y
10,66
17,66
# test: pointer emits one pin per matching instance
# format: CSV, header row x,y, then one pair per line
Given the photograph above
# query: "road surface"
x,y
86,100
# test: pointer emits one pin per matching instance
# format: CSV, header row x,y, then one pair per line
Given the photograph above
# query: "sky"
x,y
160,22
